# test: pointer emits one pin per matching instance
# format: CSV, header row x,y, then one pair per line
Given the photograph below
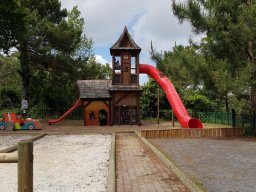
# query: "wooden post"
x,y
158,104
25,166
233,118
173,125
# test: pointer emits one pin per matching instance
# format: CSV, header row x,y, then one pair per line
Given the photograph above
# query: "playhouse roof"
x,y
124,42
91,89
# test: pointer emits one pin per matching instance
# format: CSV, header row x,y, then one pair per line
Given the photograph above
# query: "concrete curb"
x,y
15,147
184,179
111,179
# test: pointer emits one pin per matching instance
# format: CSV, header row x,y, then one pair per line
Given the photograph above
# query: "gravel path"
x,y
222,165
65,163
11,140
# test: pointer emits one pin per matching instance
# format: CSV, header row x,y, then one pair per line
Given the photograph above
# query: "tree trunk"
x,y
253,76
25,72
226,102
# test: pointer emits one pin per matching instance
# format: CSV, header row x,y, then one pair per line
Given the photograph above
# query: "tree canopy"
x,y
51,54
47,37
230,40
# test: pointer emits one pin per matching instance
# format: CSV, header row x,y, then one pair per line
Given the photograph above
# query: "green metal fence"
x,y
240,120
223,118
49,113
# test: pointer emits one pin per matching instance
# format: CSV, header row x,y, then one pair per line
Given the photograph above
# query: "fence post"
x,y
25,166
242,118
173,124
253,120
233,118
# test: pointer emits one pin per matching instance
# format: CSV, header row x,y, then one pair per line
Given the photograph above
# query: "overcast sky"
x,y
146,20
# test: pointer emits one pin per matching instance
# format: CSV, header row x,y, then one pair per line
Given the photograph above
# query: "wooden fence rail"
x,y
24,158
193,133
8,157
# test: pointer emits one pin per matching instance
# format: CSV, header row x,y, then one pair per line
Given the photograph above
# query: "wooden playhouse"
x,y
115,101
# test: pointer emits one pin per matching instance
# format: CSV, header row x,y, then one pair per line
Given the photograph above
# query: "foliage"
x,y
198,102
191,73
230,37
12,23
48,89
48,37
51,55
94,70
222,66
10,82
148,98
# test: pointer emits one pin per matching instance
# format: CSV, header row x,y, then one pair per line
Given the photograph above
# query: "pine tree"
x,y
47,37
231,36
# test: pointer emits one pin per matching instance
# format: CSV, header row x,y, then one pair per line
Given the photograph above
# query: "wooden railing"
x,y
24,158
193,133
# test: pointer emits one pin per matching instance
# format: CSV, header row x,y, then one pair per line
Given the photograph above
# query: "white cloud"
x,y
100,59
146,19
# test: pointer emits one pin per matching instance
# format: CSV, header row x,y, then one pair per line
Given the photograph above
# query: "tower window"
x,y
133,65
117,64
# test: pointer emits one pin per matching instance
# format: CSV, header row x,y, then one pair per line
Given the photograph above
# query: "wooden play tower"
x,y
116,101
125,89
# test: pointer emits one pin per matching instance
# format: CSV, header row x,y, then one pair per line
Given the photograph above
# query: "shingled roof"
x,y
119,44
94,89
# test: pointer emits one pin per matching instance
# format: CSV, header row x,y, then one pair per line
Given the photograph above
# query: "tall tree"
x,y
231,36
12,23
192,74
48,38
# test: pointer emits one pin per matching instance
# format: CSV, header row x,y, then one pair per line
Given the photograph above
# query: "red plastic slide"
x,y
77,104
178,107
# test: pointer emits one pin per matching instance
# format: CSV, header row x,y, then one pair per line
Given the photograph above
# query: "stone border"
x,y
15,147
167,162
111,178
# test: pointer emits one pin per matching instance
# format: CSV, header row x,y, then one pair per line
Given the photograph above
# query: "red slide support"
x,y
178,107
74,107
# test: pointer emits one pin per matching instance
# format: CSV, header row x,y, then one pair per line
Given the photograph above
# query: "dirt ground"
x,y
221,165
77,127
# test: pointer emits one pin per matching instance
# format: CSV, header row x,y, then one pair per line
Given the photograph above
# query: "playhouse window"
x,y
92,115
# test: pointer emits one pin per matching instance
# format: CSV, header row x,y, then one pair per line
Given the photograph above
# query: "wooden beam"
x,y
158,104
106,103
9,157
15,147
173,124
86,105
119,100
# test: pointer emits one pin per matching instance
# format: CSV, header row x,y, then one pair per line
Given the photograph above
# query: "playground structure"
x,y
117,100
13,122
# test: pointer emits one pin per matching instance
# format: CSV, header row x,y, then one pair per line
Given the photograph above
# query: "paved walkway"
x,y
222,164
138,169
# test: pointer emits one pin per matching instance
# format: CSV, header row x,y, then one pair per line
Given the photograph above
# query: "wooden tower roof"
x,y
125,42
